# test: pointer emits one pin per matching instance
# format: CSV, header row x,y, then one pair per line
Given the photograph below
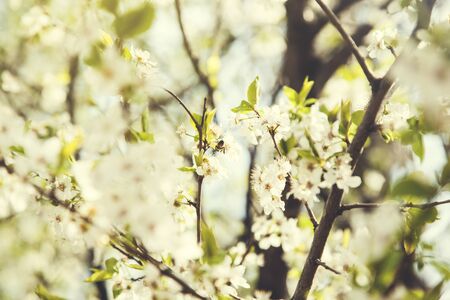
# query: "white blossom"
x,y
269,182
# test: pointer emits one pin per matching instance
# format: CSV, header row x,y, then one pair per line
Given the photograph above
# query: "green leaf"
x,y
209,118
345,117
117,290
435,293
42,292
99,275
135,21
413,138
416,219
145,116
253,92
244,107
17,149
187,169
385,269
445,175
110,5
357,117
198,119
287,145
414,186
306,88
212,254
291,94
111,264
306,154
443,268
146,137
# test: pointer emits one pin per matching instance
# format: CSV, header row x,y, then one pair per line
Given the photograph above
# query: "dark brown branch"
x,y
347,207
192,57
339,8
200,178
272,135
137,249
332,206
325,266
348,39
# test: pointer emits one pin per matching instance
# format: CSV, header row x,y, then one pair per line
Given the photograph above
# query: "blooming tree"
x,y
114,143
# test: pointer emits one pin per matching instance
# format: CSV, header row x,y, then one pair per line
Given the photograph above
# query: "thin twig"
x,y
337,24
139,250
311,215
272,135
192,57
347,207
184,106
200,178
325,266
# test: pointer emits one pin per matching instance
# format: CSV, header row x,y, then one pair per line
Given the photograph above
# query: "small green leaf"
x,y
145,116
416,220
117,290
146,137
287,145
135,21
413,138
345,117
110,5
357,117
253,92
110,265
212,254
198,119
306,88
42,292
291,94
187,169
414,186
209,118
435,293
443,268
244,107
306,154
445,175
17,149
99,275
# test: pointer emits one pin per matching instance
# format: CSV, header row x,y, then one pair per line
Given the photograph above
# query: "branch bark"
x,y
380,88
348,39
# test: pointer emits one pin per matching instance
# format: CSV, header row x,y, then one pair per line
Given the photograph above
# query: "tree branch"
x,y
198,203
192,57
137,249
347,207
184,106
340,7
333,203
337,24
324,265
